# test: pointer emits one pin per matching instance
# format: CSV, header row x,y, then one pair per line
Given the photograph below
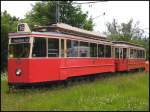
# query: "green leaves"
x,y
8,24
44,13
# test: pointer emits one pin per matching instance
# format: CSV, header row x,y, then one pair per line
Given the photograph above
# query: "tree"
x,y
44,13
8,24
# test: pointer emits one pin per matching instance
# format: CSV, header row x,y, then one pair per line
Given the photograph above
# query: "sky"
x,y
122,11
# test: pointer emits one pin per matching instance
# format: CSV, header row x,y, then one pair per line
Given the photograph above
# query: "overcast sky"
x,y
122,11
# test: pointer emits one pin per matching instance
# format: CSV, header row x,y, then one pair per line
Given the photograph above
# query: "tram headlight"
x,y
18,71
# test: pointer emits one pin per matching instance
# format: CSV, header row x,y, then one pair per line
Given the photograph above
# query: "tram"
x,y
128,56
59,51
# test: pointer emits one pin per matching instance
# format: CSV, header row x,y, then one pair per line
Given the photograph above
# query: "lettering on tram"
x,y
19,47
21,27
20,40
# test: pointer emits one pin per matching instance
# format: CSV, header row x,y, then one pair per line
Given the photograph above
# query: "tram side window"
x,y
39,47
100,50
53,47
116,52
131,53
124,52
62,48
138,54
135,53
84,49
72,48
107,51
143,54
93,49
121,52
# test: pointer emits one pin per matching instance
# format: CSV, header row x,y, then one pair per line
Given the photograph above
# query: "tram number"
x,y
21,27
20,40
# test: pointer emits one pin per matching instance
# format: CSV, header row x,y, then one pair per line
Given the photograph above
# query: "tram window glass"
x,y
121,52
138,53
100,50
134,52
124,52
62,47
39,47
21,50
131,53
107,51
116,52
72,48
93,49
53,47
84,49
142,54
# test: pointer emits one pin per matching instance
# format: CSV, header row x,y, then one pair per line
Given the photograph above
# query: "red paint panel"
x,y
44,69
121,64
51,69
13,64
136,63
83,66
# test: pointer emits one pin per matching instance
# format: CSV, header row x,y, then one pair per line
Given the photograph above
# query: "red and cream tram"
x,y
56,52
128,56
59,51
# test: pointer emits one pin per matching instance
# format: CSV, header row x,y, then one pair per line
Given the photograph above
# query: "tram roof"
x,y
68,29
127,44
57,35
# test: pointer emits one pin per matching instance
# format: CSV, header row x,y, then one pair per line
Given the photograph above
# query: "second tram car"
x,y
128,56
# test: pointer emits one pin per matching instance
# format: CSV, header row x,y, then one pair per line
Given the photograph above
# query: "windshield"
x,y
21,50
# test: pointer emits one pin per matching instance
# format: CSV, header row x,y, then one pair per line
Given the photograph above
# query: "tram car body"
x,y
128,56
56,53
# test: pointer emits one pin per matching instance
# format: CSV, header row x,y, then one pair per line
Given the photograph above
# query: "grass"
x,y
125,92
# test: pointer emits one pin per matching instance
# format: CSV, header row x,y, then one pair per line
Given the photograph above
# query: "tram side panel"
x,y
42,70
121,64
84,66
136,63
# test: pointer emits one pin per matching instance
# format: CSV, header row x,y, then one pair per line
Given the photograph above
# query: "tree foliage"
x,y
128,32
8,24
44,13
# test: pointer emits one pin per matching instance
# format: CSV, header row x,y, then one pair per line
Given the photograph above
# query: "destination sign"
x,y
20,40
21,27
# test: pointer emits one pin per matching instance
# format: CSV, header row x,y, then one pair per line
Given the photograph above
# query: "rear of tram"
x,y
128,56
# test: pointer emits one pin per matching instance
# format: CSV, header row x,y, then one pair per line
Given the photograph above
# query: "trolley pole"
x,y
57,11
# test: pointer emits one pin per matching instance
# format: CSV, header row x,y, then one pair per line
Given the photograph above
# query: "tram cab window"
x,y
116,52
100,50
107,51
72,48
53,47
21,50
93,49
39,47
84,49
